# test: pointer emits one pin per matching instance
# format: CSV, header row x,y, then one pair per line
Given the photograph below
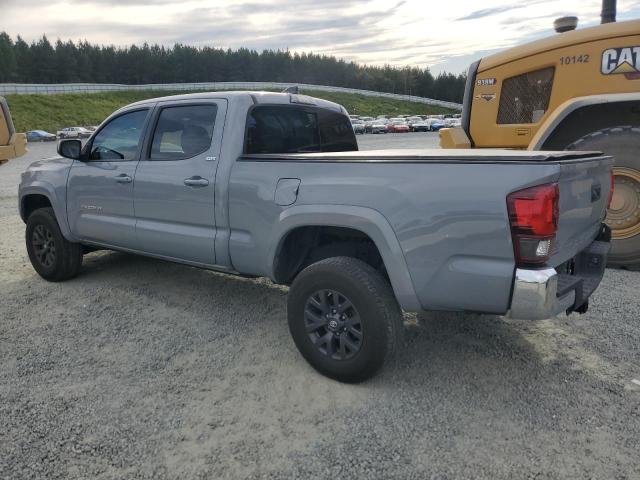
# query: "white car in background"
x,y
358,126
417,124
452,123
379,125
74,132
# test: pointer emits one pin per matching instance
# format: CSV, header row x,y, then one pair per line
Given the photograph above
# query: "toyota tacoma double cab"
x,y
273,185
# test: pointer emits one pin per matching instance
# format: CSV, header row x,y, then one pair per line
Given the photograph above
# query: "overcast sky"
x,y
440,34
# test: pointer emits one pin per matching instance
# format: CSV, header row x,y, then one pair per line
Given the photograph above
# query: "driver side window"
x,y
120,139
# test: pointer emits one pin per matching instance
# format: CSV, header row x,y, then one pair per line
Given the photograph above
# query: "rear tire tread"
x,y
377,290
624,252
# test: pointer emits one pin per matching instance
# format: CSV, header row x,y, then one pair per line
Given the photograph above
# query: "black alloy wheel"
x,y
333,324
44,246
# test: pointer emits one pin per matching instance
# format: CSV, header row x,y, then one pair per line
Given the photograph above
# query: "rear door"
x,y
174,182
100,187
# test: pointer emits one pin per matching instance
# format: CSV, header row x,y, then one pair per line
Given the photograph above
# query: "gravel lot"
x,y
145,369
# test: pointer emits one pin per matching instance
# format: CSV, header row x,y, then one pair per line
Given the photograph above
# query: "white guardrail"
x,y
54,88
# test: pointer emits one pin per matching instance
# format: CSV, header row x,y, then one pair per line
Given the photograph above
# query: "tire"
x,y
53,257
362,337
624,215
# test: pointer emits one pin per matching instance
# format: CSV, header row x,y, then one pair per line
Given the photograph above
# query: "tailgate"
x,y
584,192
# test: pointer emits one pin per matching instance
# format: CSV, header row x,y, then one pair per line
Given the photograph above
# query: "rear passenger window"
x,y
183,132
336,132
286,129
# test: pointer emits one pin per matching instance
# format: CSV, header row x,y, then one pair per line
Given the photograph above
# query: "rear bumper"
x,y
545,293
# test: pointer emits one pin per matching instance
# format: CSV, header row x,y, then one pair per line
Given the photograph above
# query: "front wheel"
x,y
53,257
344,318
623,143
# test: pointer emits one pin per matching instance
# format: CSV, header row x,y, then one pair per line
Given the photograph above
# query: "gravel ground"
x,y
145,369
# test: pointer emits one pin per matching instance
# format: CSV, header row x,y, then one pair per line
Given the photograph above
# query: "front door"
x,y
174,182
100,187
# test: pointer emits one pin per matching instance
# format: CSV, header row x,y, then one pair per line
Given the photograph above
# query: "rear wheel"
x,y
624,214
344,318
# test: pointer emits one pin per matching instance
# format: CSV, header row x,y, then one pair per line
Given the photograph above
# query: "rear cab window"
x,y
296,129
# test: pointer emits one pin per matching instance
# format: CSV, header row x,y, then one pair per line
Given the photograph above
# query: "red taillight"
x,y
610,192
533,215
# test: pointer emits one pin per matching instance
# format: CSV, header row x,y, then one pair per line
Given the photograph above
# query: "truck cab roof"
x,y
257,98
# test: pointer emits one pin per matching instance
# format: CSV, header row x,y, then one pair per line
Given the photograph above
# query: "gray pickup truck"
x,y
267,184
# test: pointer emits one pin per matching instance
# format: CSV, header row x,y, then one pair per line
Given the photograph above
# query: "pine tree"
x,y
40,62
7,59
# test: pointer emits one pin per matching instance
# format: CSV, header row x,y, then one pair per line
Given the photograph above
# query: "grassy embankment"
x,y
53,112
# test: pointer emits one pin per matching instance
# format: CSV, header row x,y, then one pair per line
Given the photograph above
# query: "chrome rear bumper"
x,y
535,295
545,293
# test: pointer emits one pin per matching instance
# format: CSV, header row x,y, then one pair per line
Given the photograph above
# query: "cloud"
x,y
520,20
377,32
487,12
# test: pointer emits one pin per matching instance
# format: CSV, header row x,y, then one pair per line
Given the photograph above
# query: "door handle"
x,y
123,178
196,182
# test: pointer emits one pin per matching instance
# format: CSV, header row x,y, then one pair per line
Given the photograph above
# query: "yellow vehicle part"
x,y
454,138
12,144
624,213
563,92
575,60
555,118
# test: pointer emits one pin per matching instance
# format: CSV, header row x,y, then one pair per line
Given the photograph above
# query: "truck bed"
x,y
447,209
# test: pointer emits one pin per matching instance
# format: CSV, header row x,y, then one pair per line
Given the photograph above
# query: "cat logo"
x,y
624,60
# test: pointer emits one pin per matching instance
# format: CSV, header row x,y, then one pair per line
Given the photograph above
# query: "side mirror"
x,y
70,149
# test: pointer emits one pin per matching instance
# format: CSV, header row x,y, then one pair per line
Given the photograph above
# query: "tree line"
x,y
68,62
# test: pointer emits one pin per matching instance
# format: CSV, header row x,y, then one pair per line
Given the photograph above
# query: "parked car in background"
x,y
379,125
417,124
358,126
398,126
435,124
452,122
74,132
40,136
91,128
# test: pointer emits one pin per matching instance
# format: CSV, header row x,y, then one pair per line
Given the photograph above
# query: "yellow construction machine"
x,y
577,90
12,144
